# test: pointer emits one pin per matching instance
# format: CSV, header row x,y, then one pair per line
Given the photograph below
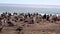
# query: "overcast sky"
x,y
47,2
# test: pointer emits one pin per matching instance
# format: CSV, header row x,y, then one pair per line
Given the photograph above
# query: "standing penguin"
x,y
19,29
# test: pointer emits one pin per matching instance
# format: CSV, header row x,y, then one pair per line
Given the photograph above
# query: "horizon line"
x,y
29,4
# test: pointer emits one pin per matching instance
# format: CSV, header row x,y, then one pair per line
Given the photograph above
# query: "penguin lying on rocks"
x,y
19,28
10,23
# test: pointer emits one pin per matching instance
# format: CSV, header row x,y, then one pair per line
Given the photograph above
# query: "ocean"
x,y
55,11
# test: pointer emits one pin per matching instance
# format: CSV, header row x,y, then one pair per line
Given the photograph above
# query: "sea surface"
x,y
12,9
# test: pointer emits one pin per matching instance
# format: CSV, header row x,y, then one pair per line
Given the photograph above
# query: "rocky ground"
x,y
46,28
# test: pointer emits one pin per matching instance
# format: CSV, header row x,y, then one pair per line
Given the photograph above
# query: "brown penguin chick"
x,y
1,28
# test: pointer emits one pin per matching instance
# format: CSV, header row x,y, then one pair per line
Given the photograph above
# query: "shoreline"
x,y
32,13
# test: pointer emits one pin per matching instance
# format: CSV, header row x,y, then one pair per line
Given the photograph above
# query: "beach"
x,y
34,23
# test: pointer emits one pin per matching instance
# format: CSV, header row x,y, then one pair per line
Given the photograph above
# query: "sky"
x,y
46,2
